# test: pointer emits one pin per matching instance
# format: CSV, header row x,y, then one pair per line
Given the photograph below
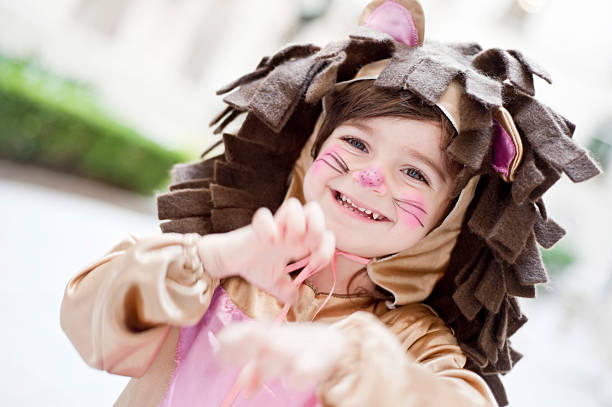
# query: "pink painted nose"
x,y
371,177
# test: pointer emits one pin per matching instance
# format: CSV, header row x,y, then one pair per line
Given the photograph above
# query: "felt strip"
x,y
470,263
491,290
527,179
228,219
487,209
417,78
211,147
551,175
477,356
471,147
267,64
325,79
225,197
281,90
241,98
497,387
367,34
486,338
581,168
532,66
184,203
511,231
547,133
502,65
547,231
474,115
247,153
502,325
464,295
514,286
220,115
230,118
197,170
267,186
197,224
484,90
461,180
467,49
515,356
234,175
516,318
529,267
247,78
198,183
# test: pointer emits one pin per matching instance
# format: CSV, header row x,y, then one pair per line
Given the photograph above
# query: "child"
x,y
422,206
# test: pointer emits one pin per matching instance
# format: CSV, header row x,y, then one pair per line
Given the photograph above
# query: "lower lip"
x,y
351,212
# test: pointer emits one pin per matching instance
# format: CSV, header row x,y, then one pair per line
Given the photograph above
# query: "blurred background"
x,y
98,98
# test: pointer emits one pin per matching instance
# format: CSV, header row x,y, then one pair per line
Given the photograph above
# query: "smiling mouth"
x,y
358,210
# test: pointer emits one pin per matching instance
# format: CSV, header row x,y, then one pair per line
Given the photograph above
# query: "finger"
x,y
290,220
240,343
264,226
315,224
323,254
284,289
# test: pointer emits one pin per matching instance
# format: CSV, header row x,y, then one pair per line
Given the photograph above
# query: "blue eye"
x,y
416,174
357,143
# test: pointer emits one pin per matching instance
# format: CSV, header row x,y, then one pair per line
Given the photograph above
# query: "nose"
x,y
371,177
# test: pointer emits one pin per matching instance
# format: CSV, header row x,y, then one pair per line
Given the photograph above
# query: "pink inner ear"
x,y
504,150
395,20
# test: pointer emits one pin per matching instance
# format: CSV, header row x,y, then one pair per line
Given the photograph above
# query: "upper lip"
x,y
362,205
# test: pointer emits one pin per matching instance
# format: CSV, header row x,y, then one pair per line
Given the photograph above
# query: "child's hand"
x,y
303,354
260,251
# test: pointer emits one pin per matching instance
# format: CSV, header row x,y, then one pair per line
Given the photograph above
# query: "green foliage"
x,y
557,258
57,123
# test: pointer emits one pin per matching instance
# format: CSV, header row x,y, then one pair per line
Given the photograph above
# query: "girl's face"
x,y
381,183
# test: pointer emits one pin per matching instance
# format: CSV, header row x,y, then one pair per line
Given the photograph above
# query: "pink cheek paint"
x,y
329,160
411,210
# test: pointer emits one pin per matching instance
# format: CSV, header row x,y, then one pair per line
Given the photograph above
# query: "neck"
x,y
345,270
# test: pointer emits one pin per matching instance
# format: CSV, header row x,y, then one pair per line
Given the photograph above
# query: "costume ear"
x,y
403,20
507,148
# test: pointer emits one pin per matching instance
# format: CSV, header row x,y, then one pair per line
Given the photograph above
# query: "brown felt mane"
x,y
496,258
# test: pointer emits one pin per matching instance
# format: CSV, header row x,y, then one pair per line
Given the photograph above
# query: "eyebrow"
x,y
428,162
369,130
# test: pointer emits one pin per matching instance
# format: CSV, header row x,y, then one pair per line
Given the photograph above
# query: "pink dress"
x,y
199,380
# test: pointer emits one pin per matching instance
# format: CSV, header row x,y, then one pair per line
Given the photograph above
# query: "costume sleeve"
x,y
423,368
117,311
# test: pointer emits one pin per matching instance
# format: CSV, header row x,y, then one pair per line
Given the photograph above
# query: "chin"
x,y
348,244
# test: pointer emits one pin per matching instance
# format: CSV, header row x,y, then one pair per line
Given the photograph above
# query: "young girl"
x,y
415,180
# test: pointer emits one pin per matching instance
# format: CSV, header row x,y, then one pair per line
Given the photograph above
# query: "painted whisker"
x,y
340,161
330,165
414,215
410,202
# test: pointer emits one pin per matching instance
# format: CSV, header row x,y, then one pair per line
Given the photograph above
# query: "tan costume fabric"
x,y
122,313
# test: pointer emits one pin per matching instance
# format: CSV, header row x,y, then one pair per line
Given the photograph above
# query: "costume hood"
x,y
512,148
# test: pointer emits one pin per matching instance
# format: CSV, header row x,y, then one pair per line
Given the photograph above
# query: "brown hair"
x,y
362,100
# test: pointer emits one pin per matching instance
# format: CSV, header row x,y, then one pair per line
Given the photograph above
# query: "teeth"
x,y
347,203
